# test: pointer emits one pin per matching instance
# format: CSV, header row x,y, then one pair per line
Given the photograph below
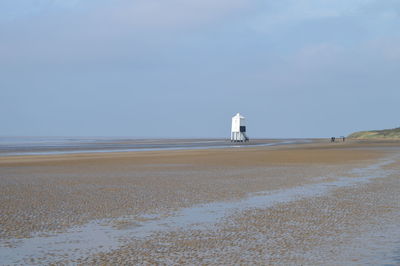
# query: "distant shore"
x,y
393,134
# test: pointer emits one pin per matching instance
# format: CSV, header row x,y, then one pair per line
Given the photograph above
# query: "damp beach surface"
x,y
309,203
20,146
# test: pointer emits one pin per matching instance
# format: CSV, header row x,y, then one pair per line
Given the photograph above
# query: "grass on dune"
x,y
374,134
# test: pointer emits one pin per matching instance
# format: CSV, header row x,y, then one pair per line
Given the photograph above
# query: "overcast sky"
x,y
183,68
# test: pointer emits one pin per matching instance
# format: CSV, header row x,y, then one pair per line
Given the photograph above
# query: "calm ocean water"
x,y
10,146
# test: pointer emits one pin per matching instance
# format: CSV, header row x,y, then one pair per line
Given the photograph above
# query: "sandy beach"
x,y
313,203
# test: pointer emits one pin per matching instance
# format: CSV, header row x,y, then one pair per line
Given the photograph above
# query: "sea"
x,y
18,146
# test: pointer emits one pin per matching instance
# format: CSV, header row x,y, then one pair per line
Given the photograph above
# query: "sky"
x,y
183,68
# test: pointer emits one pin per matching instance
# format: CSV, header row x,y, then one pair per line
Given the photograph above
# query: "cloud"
x,y
173,13
140,13
11,11
286,13
384,48
90,30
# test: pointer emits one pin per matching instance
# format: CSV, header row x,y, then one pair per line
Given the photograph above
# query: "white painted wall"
x,y
237,121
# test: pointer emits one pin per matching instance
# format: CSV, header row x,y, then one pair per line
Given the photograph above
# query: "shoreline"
x,y
306,144
117,147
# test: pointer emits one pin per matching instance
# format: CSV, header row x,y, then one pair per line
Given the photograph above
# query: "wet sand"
x,y
17,146
51,194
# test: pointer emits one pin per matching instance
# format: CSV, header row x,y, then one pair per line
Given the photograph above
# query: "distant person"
x,y
344,139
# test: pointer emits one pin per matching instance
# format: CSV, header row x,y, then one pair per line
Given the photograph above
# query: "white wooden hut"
x,y
238,132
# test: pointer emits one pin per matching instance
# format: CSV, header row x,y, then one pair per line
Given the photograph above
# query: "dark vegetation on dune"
x,y
375,134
